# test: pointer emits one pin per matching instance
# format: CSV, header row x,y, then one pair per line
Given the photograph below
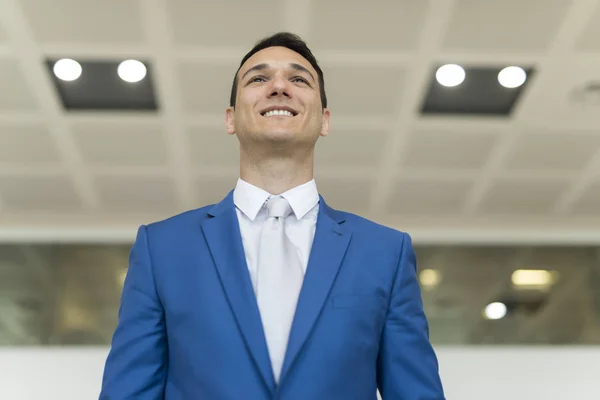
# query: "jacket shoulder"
x,y
362,224
180,220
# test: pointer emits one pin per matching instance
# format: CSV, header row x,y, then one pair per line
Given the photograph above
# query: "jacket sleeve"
x,y
407,367
137,362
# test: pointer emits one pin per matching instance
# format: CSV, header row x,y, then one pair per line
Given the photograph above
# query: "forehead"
x,y
276,57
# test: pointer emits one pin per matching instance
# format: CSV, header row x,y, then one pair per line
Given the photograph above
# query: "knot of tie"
x,y
278,207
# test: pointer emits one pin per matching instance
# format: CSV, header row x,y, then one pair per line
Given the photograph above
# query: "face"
x,y
278,100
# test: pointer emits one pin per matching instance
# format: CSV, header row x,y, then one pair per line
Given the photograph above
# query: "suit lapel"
x,y
225,242
328,250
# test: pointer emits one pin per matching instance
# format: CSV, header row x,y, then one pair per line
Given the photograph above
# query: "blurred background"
x,y
474,125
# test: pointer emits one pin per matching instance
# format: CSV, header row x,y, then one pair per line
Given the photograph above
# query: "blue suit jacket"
x,y
189,325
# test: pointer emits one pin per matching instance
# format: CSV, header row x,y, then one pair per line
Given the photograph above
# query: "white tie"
x,y
279,281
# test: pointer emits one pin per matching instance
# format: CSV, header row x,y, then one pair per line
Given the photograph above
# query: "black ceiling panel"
x,y
479,94
100,88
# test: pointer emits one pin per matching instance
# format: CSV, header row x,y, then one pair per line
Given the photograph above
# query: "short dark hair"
x,y
290,41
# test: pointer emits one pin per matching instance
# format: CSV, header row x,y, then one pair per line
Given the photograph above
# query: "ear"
x,y
325,125
230,120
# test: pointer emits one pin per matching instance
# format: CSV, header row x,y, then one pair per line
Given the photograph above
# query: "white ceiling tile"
x,y
15,94
209,191
589,202
356,148
205,88
350,195
588,41
552,151
213,147
374,25
3,35
361,90
27,145
140,194
38,194
519,197
84,21
448,150
224,22
555,99
425,197
130,159
121,144
490,25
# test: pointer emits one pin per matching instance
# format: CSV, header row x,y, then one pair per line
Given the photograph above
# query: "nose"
x,y
279,87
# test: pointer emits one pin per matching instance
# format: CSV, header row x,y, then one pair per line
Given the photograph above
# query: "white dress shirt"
x,y
300,226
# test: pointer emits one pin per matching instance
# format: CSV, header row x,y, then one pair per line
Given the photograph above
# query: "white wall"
x,y
472,373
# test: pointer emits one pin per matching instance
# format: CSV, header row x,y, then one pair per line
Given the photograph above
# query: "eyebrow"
x,y
262,67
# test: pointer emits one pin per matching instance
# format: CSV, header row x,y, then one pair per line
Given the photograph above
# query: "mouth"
x,y
278,112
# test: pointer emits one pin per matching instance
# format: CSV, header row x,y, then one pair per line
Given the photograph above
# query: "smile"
x,y
279,113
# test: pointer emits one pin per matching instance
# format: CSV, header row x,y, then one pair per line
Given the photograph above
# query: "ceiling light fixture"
x,y
495,311
512,77
429,278
67,70
531,277
450,75
132,71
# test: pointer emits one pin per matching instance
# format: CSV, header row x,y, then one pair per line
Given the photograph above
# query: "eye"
x,y
299,79
257,79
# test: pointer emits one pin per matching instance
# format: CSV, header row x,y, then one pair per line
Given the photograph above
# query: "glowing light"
x,y
132,71
67,69
512,77
495,311
450,75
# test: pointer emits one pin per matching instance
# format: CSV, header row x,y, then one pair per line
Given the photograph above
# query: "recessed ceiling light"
x,y
132,71
450,75
512,77
531,277
67,69
429,278
495,311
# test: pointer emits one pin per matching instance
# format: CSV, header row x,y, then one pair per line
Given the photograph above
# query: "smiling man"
x,y
272,293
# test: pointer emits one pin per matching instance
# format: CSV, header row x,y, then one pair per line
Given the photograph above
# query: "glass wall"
x,y
511,295
69,294
60,294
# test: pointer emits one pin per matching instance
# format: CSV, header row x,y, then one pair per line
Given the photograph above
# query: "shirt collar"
x,y
250,199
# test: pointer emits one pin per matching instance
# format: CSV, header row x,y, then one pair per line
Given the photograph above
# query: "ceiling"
x,y
531,176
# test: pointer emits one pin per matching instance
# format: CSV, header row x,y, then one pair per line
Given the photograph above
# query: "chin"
x,y
282,135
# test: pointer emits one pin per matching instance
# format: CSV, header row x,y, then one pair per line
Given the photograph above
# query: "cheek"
x,y
245,114
246,101
316,114
250,96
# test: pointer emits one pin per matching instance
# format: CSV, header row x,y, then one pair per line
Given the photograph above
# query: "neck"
x,y
276,174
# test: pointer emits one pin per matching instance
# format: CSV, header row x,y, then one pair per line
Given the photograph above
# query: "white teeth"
x,y
278,112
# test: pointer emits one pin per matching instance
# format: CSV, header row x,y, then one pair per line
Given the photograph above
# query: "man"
x,y
271,293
